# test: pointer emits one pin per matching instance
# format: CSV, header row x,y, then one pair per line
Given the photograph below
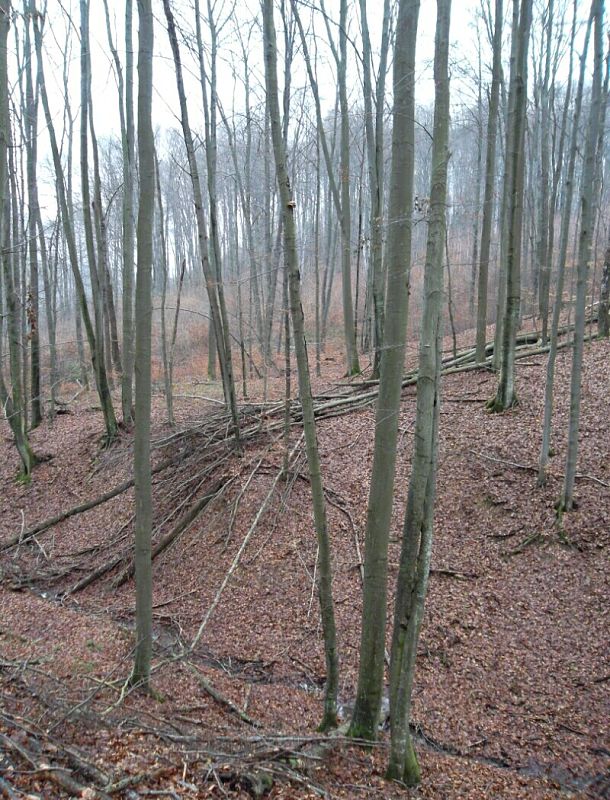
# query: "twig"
x,y
239,553
218,696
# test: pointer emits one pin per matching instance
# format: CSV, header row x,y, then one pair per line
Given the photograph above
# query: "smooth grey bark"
x,y
588,201
379,510
513,227
416,549
490,180
296,312
140,675
566,215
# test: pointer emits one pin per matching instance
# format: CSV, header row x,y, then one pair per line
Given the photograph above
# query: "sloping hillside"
x,y
511,697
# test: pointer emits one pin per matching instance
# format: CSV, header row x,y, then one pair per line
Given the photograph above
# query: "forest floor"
x,y
511,696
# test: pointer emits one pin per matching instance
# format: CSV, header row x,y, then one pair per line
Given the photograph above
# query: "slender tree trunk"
x,y
563,251
296,311
140,675
31,136
542,250
506,395
379,511
12,403
97,343
417,531
603,314
340,196
67,221
588,201
490,180
128,139
218,310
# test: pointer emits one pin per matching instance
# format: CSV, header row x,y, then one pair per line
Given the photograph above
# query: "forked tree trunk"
x,y
296,311
416,549
379,511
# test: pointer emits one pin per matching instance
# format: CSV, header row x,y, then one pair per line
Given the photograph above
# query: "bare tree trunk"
x,y
542,250
97,343
587,222
506,395
414,567
379,510
292,267
140,675
603,314
218,310
563,250
340,198
490,180
31,137
12,403
98,367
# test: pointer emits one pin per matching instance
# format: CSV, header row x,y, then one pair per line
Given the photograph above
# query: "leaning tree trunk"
x,y
379,512
140,675
417,531
296,310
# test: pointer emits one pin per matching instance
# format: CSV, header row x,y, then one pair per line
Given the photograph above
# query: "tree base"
x,y
496,406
